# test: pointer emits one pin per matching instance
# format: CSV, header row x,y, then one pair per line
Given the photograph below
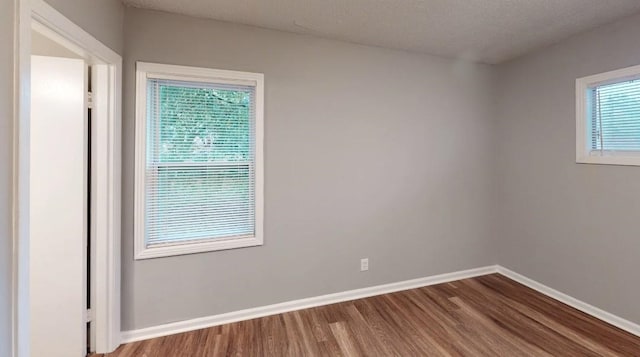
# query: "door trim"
x,y
39,16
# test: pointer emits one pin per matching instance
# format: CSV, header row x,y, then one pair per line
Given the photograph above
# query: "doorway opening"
x,y
67,124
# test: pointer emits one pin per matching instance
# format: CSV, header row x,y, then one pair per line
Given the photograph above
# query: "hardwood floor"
x,y
485,316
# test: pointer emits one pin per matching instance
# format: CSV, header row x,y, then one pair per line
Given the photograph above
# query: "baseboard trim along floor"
x,y
598,313
215,320
252,313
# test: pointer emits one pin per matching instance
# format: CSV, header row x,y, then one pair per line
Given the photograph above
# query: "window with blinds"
x,y
201,167
608,118
615,116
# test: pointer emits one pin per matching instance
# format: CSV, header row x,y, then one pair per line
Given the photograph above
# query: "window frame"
x,y
584,153
145,71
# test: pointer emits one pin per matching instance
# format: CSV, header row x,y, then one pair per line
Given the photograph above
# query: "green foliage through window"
x,y
200,124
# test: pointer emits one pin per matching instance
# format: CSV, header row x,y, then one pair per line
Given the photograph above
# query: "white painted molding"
x,y
56,26
21,129
215,320
39,16
598,313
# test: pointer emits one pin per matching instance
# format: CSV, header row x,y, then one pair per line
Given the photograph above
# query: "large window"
x,y
198,160
608,118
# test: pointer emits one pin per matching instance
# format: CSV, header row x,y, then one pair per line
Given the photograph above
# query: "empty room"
x,y
319,178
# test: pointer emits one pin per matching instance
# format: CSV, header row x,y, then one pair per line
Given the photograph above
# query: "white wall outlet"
x,y
364,264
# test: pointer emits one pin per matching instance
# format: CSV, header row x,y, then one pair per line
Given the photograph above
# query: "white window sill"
x,y
611,159
169,250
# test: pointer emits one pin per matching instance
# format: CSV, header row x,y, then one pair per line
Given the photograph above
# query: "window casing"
x,y
199,160
608,118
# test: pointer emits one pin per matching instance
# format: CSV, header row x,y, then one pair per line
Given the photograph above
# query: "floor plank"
x,y
489,315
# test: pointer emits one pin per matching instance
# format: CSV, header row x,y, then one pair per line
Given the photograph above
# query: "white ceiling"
x,y
490,31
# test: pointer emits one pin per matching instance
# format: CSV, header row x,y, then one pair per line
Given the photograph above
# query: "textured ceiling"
x,y
490,31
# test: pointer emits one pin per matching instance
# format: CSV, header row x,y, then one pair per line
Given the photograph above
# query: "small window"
x,y
199,164
608,118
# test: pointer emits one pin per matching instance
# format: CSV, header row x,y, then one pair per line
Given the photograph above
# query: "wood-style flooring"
x,y
484,316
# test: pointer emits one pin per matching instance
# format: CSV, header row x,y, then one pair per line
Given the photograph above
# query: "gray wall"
x,y
6,172
369,153
573,227
101,18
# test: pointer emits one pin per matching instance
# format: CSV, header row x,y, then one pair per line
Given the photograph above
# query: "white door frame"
x,y
106,168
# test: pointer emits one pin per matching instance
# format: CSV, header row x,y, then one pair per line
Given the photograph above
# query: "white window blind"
x,y
615,116
200,161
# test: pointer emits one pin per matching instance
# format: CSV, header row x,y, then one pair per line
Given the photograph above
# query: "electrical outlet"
x,y
364,264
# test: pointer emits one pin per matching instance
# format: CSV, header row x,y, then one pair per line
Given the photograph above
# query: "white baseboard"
x,y
610,318
248,314
215,320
